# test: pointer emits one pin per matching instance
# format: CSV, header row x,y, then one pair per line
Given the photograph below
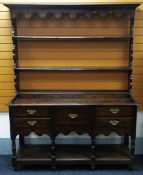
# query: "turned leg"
x,y
93,153
53,156
14,163
131,166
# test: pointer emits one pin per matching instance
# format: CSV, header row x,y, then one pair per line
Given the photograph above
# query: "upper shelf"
x,y
74,9
73,68
73,37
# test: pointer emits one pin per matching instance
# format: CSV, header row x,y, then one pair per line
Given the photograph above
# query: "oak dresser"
x,y
94,98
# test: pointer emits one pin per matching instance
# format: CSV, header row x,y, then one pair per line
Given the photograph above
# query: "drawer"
x,y
32,111
31,123
73,114
114,111
113,122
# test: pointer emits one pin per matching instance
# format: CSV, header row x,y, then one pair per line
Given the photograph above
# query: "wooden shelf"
x,y
107,154
34,153
104,154
73,153
73,38
73,68
74,92
42,153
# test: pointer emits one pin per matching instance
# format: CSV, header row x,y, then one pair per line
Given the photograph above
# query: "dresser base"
x,y
93,113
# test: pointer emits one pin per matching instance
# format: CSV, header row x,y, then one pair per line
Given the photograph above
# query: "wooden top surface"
x,y
71,4
60,99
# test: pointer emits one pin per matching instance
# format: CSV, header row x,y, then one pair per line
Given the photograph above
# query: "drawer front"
x,y
31,111
113,122
114,111
73,115
31,123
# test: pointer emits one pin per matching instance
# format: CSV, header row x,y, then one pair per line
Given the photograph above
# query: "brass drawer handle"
x,y
32,122
114,122
31,111
72,115
114,110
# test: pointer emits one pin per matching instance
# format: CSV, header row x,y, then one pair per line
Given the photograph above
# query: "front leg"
x,y
53,156
93,153
14,163
132,162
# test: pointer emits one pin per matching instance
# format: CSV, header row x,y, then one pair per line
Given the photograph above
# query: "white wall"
x,y
4,125
139,128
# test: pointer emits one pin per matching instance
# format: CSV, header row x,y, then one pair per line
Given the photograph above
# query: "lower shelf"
x,y
34,153
73,154
112,154
68,154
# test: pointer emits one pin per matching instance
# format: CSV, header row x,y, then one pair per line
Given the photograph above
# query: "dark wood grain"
x,y
112,154
114,111
34,154
74,154
31,123
72,99
27,112
73,9
73,114
116,122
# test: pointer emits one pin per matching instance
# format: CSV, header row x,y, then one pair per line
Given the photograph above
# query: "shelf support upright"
x,y
15,55
132,15
131,50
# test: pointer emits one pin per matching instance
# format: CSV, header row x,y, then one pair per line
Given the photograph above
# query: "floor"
x,y
6,169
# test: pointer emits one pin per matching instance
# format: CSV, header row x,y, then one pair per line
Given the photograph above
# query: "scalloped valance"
x,y
42,11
